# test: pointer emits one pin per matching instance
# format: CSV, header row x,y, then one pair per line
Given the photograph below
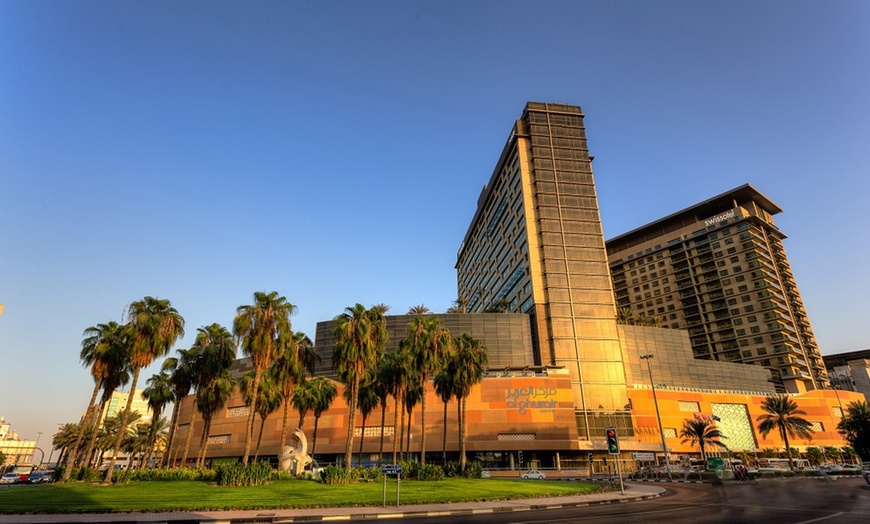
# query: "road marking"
x,y
821,518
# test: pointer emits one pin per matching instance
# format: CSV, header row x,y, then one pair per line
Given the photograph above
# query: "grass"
x,y
200,496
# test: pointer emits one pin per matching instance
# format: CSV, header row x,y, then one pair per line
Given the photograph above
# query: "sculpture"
x,y
295,459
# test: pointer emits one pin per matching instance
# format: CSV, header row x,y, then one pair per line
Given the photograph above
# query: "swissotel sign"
x,y
719,218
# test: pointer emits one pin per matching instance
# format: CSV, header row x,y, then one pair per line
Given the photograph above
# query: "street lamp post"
x,y
647,358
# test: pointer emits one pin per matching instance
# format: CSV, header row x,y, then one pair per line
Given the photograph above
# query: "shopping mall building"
x,y
561,369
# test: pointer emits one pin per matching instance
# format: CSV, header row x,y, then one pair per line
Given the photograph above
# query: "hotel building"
x,y
719,270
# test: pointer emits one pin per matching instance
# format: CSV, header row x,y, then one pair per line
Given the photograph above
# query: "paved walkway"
x,y
633,492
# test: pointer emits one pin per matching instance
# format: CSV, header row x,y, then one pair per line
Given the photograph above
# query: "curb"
x,y
432,513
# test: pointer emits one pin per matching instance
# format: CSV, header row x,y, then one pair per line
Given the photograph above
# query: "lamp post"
x,y
647,358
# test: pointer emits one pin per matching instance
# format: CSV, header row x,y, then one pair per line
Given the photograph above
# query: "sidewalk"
x,y
633,492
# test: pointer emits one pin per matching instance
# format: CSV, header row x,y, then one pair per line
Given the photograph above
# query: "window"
x,y
689,406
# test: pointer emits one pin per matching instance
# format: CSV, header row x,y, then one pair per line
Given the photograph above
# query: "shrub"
x,y
474,470
334,475
238,474
415,471
164,474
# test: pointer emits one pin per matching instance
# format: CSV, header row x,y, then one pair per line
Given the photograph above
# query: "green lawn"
x,y
200,496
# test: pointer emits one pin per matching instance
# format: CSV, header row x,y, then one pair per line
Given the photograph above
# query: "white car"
x,y
534,474
10,478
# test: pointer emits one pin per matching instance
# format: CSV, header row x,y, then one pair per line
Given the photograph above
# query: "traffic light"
x,y
612,441
520,457
590,457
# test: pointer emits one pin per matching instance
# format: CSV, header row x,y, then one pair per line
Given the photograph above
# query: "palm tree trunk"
x,y
173,425
351,418
259,439
89,453
444,435
72,456
396,425
249,434
124,418
203,442
383,426
402,431
463,405
314,436
784,434
205,449
362,438
284,426
189,434
423,421
408,447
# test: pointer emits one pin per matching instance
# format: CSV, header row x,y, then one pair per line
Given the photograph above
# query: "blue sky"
x,y
334,151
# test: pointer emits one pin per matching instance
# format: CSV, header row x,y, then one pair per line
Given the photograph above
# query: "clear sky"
x,y
334,151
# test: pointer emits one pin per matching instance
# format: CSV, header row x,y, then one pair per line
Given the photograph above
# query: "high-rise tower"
x,y
535,246
719,270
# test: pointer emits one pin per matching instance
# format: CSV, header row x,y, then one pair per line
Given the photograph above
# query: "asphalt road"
x,y
787,501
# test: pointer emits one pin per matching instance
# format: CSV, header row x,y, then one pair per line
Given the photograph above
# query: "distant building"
x,y
719,270
850,371
16,450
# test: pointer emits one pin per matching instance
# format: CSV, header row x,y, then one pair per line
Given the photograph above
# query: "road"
x,y
787,501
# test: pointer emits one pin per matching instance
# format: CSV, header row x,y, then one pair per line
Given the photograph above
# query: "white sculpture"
x,y
295,459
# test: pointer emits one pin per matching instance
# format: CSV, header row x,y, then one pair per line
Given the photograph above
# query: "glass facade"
x,y
535,245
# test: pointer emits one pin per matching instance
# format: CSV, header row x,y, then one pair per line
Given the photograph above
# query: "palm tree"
x,y
855,428
113,381
262,327
501,305
123,425
625,315
104,349
782,415
216,352
418,310
181,373
303,401
211,397
324,393
413,393
701,431
400,375
382,387
444,386
460,305
467,368
429,342
361,335
158,436
366,403
65,439
155,326
294,360
158,393
269,399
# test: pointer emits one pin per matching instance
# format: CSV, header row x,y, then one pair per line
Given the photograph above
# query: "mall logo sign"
x,y
523,399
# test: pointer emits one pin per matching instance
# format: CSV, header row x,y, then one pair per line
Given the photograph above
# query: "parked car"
x,y
9,478
534,474
485,474
866,474
831,469
850,467
39,477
